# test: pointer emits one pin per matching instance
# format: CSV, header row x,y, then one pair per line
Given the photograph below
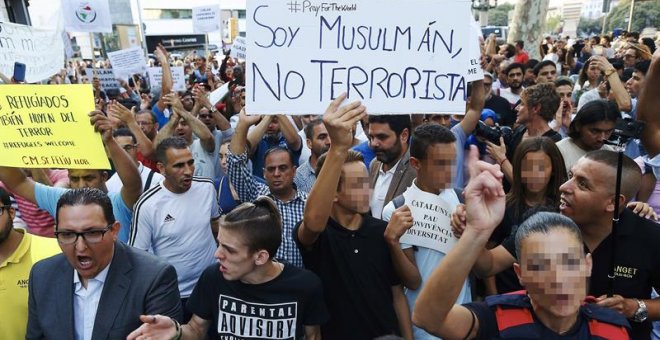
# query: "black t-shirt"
x,y
502,108
277,309
357,274
637,263
517,137
506,281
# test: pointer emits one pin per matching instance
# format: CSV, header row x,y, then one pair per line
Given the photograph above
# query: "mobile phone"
x,y
19,72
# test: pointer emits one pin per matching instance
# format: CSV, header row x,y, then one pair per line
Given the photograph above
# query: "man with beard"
x,y
18,252
279,170
270,132
176,219
318,141
514,77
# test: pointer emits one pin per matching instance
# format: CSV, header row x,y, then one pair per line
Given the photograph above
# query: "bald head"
x,y
631,175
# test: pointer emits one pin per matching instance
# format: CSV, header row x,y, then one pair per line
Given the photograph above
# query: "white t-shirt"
x,y
114,184
572,153
177,228
511,97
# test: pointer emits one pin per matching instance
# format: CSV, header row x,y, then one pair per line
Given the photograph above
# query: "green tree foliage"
x,y
646,14
552,24
590,27
498,16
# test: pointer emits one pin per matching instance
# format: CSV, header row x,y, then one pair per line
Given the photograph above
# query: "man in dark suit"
x,y
97,288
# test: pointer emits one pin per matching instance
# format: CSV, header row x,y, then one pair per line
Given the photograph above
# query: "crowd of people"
x,y
217,223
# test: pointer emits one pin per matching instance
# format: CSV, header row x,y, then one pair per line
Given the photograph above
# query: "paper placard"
x,y
37,124
178,77
106,77
218,94
41,50
206,19
127,62
396,57
475,72
238,48
431,222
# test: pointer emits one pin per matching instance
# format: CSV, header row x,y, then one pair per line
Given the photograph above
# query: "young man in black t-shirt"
x,y
345,246
250,296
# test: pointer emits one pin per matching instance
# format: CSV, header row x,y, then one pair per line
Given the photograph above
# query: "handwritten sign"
x,y
127,62
206,19
42,51
36,125
395,56
106,77
431,222
178,77
474,72
238,48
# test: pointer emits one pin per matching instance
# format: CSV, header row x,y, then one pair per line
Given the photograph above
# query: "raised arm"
x,y
240,176
200,96
145,145
621,96
474,107
339,121
403,260
166,81
126,168
167,130
16,181
293,140
647,106
199,129
257,133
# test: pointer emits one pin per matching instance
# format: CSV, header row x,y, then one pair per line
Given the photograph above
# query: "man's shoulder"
x,y
50,267
144,263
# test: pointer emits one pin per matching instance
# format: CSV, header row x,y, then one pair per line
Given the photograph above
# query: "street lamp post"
x,y
482,6
630,16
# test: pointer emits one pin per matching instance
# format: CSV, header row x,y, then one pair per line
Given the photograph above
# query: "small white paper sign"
x,y
218,94
206,19
474,71
127,62
106,77
238,48
431,222
178,77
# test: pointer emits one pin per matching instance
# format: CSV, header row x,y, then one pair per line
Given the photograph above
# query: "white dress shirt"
x,y
86,303
380,190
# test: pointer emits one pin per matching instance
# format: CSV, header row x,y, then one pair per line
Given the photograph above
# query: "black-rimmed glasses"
x,y
90,236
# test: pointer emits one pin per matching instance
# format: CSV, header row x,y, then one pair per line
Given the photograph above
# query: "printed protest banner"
x,y
178,77
396,57
431,222
238,48
47,126
106,77
87,16
41,50
127,62
206,19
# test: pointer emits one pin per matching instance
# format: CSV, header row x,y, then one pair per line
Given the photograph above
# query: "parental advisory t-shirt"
x,y
277,309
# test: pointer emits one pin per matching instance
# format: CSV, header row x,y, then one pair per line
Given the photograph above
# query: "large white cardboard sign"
x,y
41,50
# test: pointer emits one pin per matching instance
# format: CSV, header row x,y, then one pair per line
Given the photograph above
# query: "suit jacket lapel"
x,y
398,176
63,288
114,290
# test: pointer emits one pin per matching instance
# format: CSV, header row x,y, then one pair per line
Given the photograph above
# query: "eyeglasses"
x,y
90,236
129,147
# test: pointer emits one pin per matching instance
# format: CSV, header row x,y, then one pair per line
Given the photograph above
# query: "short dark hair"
x,y
562,81
86,196
309,128
427,135
543,64
124,132
258,222
277,149
514,66
631,175
529,65
352,157
397,123
544,94
593,112
544,223
4,197
520,43
642,66
169,143
150,113
510,50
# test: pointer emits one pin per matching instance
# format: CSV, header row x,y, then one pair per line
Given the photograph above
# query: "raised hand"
x,y
484,195
399,223
154,327
340,121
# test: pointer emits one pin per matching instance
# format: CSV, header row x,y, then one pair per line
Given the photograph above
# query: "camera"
x,y
627,128
493,134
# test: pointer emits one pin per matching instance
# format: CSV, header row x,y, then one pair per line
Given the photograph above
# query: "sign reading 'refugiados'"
x,y
395,56
47,126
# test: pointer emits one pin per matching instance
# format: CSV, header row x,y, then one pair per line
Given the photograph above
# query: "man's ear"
x,y
309,143
516,268
261,257
415,163
404,135
161,167
104,175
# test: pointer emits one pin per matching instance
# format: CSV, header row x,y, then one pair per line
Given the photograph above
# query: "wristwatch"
x,y
642,313
609,72
213,109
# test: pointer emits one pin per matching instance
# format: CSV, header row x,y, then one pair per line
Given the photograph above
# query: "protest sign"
x,y
41,50
47,126
127,62
218,94
402,57
431,222
105,75
475,72
206,19
178,77
238,48
87,16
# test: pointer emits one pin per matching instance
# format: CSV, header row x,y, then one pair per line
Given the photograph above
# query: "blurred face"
x,y
444,120
229,72
385,143
514,78
183,130
554,271
629,57
547,74
178,170
307,118
83,178
89,259
488,87
593,136
320,142
206,117
593,72
273,128
224,149
635,84
535,172
354,192
146,124
523,111
188,102
279,172
6,221
565,92
529,76
236,260
126,143
588,193
435,172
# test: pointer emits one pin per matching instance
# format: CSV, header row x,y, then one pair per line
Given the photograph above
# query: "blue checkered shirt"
x,y
305,177
292,211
